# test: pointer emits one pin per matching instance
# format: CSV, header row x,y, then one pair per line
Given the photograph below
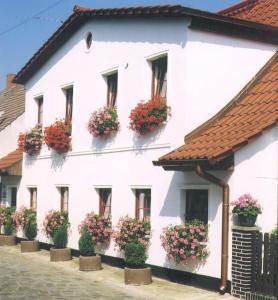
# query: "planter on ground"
x,y
87,259
60,239
138,276
29,246
62,254
7,240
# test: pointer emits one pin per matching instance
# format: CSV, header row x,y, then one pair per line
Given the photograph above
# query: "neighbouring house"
x,y
12,103
197,62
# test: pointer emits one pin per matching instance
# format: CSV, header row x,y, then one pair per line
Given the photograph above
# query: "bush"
x,y
9,227
53,220
86,245
30,229
135,255
60,237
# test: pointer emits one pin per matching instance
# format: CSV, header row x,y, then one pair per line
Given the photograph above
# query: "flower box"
x,y
31,141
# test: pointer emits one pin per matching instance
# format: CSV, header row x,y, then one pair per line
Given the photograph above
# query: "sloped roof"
x,y
10,159
200,20
261,11
254,110
12,104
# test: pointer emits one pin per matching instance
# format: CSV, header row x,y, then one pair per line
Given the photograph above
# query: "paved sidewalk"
x,y
33,276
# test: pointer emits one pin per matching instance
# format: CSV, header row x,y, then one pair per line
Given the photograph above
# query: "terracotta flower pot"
x,y
29,246
60,254
247,221
138,276
90,263
7,240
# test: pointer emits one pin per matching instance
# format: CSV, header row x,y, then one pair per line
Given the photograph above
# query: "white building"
x,y
209,58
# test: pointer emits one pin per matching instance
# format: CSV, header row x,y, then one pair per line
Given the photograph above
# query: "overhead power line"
x,y
35,16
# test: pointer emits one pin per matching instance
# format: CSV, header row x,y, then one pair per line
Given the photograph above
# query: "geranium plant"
x,y
131,230
23,215
31,141
57,136
246,205
103,122
6,217
148,116
99,227
185,241
53,220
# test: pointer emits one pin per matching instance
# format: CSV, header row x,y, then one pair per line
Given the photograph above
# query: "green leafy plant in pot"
x,y
88,261
9,226
60,237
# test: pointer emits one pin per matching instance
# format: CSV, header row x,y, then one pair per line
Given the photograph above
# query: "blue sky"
x,y
26,24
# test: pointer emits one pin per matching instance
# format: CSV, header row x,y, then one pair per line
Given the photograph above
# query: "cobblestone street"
x,y
32,276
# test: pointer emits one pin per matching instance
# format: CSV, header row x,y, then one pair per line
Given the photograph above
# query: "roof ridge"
x,y
236,100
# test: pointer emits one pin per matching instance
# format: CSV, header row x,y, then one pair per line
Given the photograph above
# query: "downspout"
x,y
225,224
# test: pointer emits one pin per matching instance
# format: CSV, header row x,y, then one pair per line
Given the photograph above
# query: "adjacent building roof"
x,y
200,20
11,163
254,110
262,11
12,104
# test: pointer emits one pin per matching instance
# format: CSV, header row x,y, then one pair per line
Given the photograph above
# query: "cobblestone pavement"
x,y
33,276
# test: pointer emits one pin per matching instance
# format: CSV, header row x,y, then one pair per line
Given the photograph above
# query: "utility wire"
x,y
30,18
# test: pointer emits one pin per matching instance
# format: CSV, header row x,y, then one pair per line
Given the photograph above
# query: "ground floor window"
x,y
64,200
196,205
105,198
143,204
33,197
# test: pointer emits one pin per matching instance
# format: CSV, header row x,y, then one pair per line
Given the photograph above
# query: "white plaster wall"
x,y
204,72
256,172
9,136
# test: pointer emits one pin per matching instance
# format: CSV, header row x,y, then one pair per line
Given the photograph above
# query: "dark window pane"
x,y
112,89
196,205
159,81
69,105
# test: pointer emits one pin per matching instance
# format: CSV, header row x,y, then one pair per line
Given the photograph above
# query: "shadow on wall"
x,y
100,143
57,160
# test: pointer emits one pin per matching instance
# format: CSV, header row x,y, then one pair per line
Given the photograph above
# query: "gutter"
x,y
225,224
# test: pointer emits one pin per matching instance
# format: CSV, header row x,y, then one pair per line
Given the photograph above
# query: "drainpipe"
x,y
225,224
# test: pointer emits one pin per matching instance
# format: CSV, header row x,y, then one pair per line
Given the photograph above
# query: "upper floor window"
x,y
159,77
112,89
196,206
64,200
143,204
89,39
40,109
69,104
105,197
33,198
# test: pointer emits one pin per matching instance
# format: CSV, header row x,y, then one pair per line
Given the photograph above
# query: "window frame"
x,y
31,193
62,190
155,81
111,99
137,204
103,203
39,101
69,103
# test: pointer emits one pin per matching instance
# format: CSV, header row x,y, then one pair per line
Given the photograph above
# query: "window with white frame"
x,y
143,204
33,197
196,205
39,101
112,89
69,104
105,200
159,77
64,198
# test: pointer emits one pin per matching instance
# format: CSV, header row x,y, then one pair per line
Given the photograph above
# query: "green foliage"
x,y
60,237
9,227
86,245
135,255
275,231
30,229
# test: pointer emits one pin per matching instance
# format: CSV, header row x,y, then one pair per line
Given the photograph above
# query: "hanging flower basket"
x,y
57,136
148,116
103,122
31,141
186,241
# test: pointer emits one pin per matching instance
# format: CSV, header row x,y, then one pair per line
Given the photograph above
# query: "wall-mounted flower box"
x,y
103,122
31,141
57,136
148,116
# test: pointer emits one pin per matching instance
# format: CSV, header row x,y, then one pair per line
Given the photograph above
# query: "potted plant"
x,y
132,237
57,136
246,208
6,220
186,241
56,226
31,141
148,116
135,271
26,219
103,122
88,260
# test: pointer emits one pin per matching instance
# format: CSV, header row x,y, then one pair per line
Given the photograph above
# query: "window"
x,y
196,206
159,79
64,204
40,110
112,88
89,39
69,104
143,204
33,198
105,197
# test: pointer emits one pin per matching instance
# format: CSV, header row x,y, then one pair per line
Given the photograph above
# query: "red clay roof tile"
x,y
10,159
